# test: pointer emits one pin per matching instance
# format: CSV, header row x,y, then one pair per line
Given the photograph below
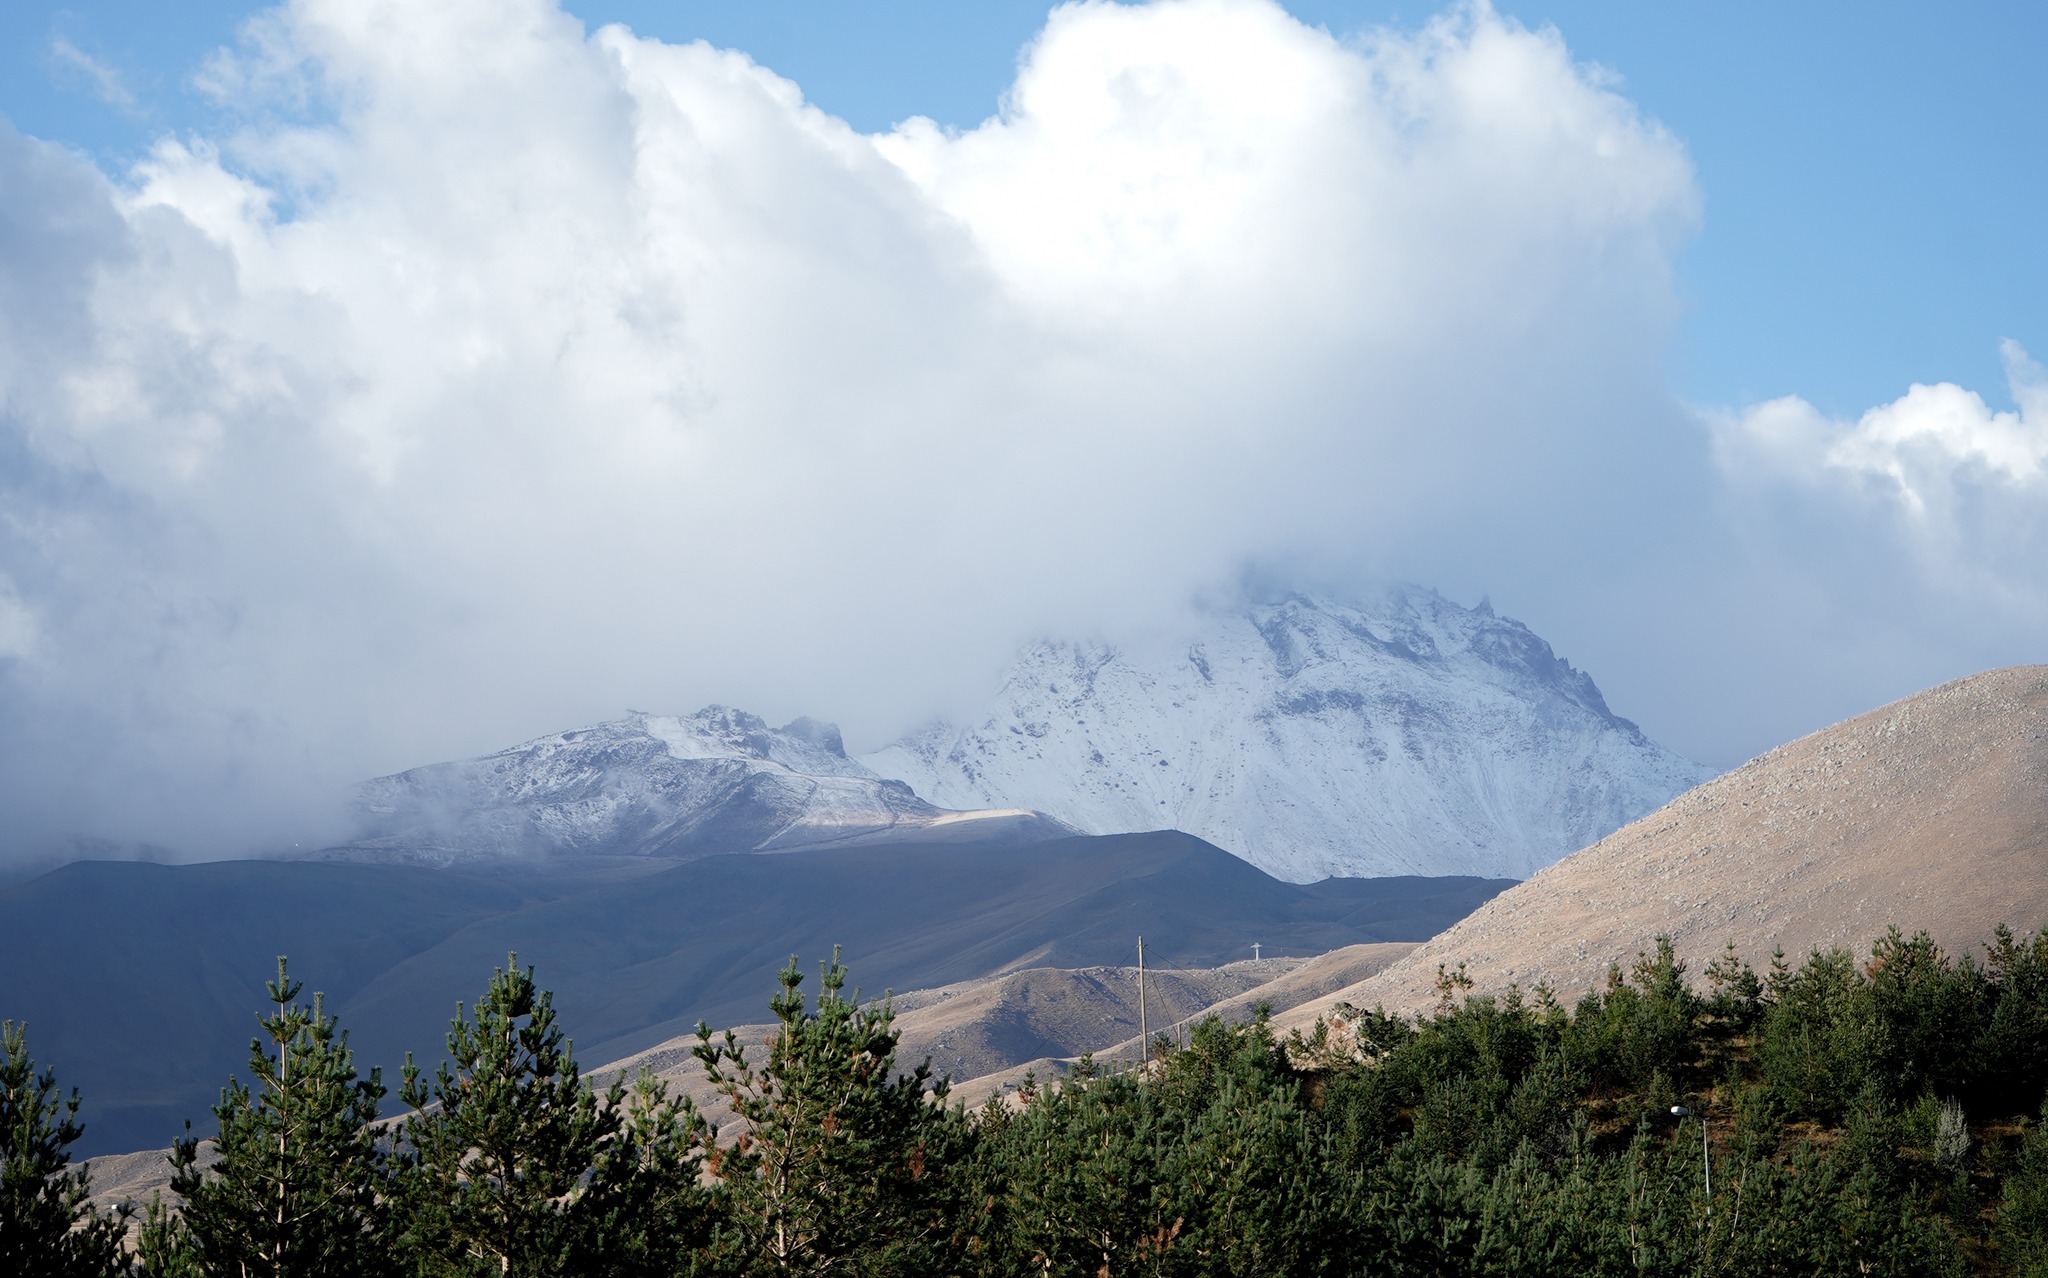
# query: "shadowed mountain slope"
x,y
1930,812
140,982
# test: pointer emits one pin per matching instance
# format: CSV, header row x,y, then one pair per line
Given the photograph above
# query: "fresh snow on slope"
x,y
720,780
1406,735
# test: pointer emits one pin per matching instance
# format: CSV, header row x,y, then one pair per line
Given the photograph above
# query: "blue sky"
x,y
1871,170
531,373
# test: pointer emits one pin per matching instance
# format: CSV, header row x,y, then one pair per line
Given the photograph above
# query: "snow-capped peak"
x,y
719,780
803,745
1401,735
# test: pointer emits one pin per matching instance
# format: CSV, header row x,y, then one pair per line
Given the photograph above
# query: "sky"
x,y
383,383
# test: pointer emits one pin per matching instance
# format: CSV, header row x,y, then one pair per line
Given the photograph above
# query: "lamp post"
x,y
1706,1166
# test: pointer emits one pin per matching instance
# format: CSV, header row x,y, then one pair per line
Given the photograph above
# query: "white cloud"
x,y
17,624
1210,147
1963,485
553,372
107,83
1922,444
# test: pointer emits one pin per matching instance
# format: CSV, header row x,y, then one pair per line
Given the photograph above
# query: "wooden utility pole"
x,y
1144,1038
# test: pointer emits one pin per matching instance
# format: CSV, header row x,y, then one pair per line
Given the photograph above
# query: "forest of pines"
x,y
1881,1116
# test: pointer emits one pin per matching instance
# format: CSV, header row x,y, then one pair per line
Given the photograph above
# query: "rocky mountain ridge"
x,y
717,781
1401,735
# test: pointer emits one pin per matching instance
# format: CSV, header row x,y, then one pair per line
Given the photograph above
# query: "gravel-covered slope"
x,y
1929,813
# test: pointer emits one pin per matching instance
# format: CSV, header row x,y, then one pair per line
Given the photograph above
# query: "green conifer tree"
x,y
47,1225
646,1210
500,1152
2023,1215
1085,1176
840,1164
294,1189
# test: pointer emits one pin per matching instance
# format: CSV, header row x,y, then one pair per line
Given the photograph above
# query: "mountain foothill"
x,y
1930,814
1384,795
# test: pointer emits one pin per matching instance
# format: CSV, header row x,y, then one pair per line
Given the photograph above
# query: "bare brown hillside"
x,y
989,1032
1931,812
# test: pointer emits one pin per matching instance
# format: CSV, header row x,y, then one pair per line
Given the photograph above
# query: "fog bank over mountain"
x,y
481,375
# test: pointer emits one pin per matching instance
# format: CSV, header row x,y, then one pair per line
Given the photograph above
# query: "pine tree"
x,y
840,1164
1246,1177
2023,1215
295,1187
47,1225
501,1149
646,1209
1085,1169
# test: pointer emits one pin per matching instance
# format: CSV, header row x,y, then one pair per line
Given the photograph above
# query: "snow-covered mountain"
x,y
1406,735
716,781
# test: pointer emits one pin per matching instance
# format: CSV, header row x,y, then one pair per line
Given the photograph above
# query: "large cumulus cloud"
x,y
492,375
1965,483
1897,549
